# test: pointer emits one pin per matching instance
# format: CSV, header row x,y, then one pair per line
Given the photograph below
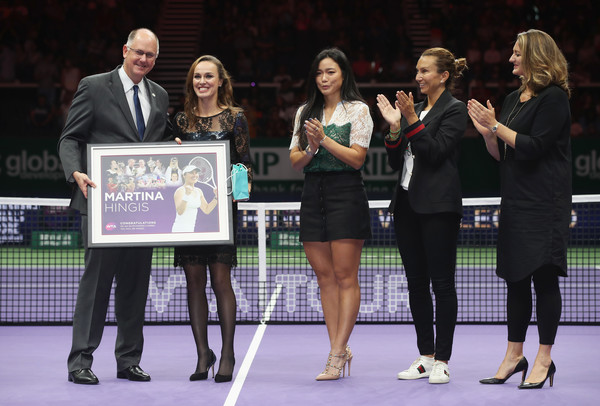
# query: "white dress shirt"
x,y
142,94
409,160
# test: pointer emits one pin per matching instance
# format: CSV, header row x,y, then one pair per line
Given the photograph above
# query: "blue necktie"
x,y
139,117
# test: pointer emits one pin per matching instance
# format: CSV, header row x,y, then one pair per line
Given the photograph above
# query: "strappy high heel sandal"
x,y
332,369
349,356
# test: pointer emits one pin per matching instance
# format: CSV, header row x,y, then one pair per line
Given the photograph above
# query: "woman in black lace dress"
x,y
209,114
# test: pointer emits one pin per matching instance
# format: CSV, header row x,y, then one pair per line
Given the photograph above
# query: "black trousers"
x,y
130,267
519,305
427,245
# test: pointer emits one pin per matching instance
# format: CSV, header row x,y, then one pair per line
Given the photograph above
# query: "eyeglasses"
x,y
140,53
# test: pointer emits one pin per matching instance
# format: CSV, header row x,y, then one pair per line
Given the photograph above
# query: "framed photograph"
x,y
159,194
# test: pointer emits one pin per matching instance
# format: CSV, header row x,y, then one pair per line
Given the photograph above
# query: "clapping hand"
x,y
483,118
391,114
314,132
406,104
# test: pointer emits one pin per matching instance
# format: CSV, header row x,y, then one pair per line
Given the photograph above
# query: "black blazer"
x,y
435,184
100,114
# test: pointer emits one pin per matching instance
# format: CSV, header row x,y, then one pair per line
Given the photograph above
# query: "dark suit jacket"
x,y
435,184
100,114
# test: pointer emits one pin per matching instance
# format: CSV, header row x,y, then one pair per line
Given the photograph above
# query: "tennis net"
x,y
41,262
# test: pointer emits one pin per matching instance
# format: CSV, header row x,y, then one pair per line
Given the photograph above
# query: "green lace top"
x,y
350,124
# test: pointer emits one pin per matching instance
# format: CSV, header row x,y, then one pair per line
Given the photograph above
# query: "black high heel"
x,y
522,365
202,376
540,385
224,378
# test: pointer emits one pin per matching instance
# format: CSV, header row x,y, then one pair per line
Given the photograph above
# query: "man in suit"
x,y
121,106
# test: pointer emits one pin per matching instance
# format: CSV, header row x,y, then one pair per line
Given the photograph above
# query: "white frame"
x,y
100,154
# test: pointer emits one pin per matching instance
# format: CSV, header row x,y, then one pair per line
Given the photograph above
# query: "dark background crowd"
x,y
47,46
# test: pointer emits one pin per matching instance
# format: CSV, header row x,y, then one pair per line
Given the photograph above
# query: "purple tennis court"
x,y
281,344
276,365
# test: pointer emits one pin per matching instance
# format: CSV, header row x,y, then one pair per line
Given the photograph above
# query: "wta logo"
x,y
111,227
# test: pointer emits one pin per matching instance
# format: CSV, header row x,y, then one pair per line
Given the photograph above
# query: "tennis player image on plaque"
x,y
159,194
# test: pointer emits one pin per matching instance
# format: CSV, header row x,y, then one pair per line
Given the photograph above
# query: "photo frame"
x,y
159,194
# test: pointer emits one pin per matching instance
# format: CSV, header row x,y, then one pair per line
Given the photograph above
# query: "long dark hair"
x,y
315,101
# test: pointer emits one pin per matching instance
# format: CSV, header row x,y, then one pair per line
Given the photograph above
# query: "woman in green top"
x,y
332,131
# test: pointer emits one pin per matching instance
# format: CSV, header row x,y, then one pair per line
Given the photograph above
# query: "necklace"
x,y
209,115
510,119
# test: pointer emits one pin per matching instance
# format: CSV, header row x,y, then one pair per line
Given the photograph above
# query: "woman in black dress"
x,y
209,114
531,140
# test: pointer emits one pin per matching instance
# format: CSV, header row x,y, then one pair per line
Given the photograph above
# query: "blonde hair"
x,y
225,92
543,62
445,61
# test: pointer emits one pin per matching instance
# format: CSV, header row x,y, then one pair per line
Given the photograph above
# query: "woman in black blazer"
x,y
423,145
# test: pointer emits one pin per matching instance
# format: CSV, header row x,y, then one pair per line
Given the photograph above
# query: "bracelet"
x,y
309,152
393,136
394,132
322,139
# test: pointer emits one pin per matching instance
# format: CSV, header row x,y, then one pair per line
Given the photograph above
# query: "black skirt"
x,y
209,254
334,206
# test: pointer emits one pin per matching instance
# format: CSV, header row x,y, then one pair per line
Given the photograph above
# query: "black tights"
x,y
519,305
220,279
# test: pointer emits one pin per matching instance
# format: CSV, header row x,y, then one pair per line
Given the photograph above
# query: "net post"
x,y
262,257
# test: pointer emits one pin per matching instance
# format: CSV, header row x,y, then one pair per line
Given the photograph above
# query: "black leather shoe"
x,y
83,376
133,373
224,378
521,366
540,385
202,376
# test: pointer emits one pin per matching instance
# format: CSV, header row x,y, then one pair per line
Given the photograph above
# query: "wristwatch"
x,y
495,127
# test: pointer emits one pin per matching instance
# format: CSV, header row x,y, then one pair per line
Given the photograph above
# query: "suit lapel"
x,y
437,109
153,106
419,108
116,87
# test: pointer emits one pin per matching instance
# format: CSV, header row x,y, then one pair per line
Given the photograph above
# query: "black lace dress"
x,y
227,125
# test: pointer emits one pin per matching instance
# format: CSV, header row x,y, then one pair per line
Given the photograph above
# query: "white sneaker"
x,y
440,373
421,368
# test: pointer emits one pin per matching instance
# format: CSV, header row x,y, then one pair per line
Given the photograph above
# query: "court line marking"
x,y
240,378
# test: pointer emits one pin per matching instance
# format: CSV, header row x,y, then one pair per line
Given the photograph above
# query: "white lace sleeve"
x,y
362,125
295,139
